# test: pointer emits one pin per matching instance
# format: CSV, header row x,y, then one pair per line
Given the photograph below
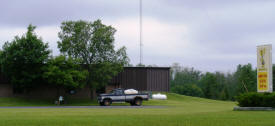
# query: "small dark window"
x,y
118,92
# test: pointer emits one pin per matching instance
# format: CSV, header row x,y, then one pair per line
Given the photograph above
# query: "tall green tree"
x,y
209,85
188,89
231,85
224,95
93,44
186,76
185,80
222,86
65,73
246,78
22,59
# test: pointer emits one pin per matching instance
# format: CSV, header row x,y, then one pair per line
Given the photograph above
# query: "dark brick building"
x,y
139,78
142,79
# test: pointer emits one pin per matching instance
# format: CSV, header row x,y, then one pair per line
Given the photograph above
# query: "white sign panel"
x,y
264,68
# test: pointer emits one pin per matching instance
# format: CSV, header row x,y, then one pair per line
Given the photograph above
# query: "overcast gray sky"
x,y
209,35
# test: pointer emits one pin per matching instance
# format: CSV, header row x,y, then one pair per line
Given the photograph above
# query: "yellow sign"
x,y
264,68
262,81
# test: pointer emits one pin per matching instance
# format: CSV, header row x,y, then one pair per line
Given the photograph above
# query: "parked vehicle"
x,y
118,96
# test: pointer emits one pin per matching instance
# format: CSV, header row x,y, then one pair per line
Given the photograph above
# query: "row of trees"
x,y
87,57
217,85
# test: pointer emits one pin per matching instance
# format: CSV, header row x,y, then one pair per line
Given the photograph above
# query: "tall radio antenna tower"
x,y
140,31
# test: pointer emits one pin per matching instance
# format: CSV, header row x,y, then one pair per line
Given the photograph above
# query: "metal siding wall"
x,y
148,81
141,79
158,79
144,78
132,78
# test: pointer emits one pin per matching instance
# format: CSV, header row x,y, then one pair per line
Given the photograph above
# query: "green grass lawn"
x,y
179,111
45,102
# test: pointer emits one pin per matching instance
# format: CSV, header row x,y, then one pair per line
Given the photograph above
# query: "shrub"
x,y
254,99
188,89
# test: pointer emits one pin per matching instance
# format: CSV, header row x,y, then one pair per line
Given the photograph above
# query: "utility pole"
x,y
140,32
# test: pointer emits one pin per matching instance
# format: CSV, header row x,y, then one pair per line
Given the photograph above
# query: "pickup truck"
x,y
118,96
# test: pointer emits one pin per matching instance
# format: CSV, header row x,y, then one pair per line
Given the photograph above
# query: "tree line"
x,y
88,58
214,85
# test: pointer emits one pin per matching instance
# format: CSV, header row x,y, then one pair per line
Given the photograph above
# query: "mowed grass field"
x,y
178,111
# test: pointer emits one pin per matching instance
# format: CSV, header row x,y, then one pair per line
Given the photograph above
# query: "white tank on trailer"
x,y
159,96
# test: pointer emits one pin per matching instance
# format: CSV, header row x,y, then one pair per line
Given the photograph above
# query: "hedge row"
x,y
254,99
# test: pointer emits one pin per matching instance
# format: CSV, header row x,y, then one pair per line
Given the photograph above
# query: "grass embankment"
x,y
43,102
180,111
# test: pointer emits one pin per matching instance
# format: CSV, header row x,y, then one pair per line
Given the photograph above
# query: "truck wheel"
x,y
138,102
101,103
107,102
132,103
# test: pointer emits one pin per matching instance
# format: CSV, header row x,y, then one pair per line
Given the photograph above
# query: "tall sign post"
x,y
264,68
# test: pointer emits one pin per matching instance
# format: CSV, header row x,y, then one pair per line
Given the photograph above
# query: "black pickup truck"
x,y
118,96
